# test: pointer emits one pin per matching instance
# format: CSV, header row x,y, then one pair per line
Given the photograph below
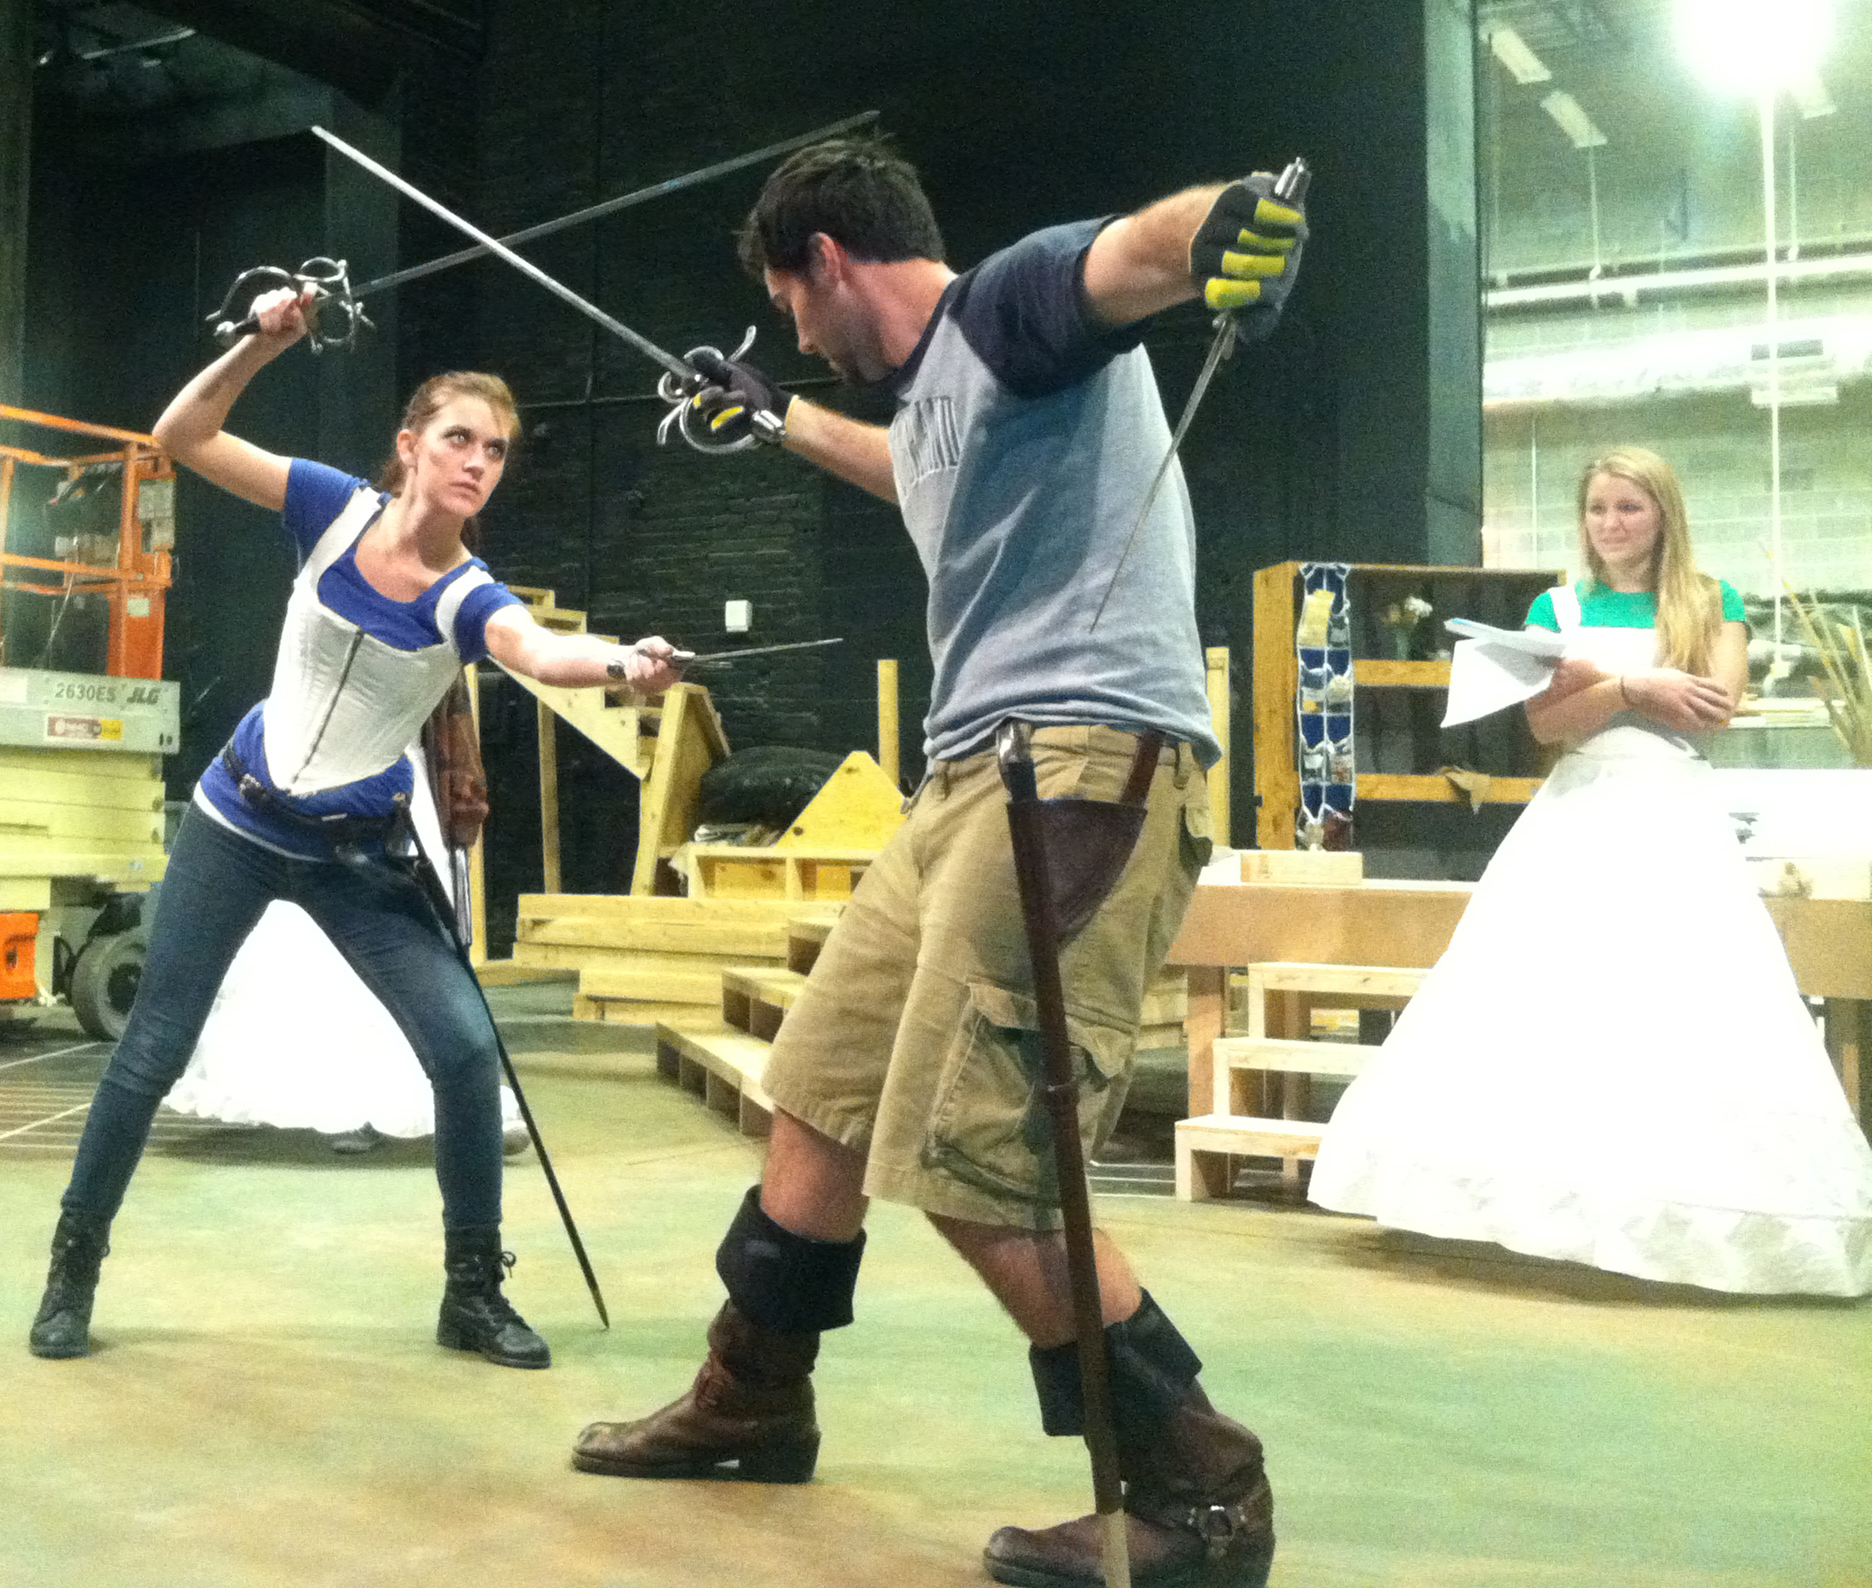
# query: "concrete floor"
x,y
267,1407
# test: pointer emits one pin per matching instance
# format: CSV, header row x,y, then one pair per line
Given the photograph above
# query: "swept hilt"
x,y
333,320
681,394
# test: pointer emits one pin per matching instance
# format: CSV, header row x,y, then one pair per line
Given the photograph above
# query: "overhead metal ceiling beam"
x,y
359,46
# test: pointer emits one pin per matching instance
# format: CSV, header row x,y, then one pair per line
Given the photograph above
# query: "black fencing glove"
x,y
1246,254
736,393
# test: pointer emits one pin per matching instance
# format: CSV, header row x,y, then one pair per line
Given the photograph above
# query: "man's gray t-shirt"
x,y
1023,448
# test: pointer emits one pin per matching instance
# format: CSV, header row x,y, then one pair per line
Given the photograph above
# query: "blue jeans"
x,y
218,884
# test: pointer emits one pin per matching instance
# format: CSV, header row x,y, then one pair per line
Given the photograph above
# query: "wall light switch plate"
x,y
738,616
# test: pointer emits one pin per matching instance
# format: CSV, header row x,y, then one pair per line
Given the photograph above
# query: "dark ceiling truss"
x,y
361,47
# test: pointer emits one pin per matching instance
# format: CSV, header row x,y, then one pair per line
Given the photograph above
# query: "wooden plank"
x,y
1849,1035
1371,673
1408,925
1465,572
858,808
1244,1136
777,987
757,939
806,935
729,1055
726,871
603,959
1829,944
508,973
635,907
1293,1057
1377,923
890,735
689,741
1216,661
1275,680
1375,981
549,796
1319,868
1202,1024
638,1011
1432,789
669,985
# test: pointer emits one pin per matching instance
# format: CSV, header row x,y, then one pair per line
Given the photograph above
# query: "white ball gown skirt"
x,y
297,1041
1611,1063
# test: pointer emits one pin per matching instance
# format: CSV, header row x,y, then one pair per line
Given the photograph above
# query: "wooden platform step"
x,y
755,998
1371,981
1205,1145
720,1064
805,936
1288,1056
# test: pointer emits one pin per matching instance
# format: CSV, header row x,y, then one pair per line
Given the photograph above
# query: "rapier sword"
x,y
681,380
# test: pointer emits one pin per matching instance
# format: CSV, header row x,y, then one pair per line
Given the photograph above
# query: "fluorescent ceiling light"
x,y
1743,46
1512,51
1573,121
1812,96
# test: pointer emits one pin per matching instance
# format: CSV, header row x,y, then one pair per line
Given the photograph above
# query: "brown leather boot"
x,y
1198,1513
749,1414
1198,1510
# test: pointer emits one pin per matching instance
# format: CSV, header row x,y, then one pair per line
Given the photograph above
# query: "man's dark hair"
x,y
857,192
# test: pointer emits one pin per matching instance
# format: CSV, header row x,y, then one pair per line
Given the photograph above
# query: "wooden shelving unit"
x,y
1397,747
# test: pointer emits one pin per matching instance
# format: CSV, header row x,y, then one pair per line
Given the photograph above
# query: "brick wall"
x,y
1718,445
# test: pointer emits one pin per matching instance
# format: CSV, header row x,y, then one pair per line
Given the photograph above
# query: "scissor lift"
x,y
81,786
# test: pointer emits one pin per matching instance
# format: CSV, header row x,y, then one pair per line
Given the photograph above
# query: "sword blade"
x,y
1218,349
612,206
500,250
683,660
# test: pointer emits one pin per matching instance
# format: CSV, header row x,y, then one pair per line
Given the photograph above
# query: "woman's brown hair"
x,y
427,401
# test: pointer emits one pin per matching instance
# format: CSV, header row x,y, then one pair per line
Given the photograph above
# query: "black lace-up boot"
x,y
475,1315
63,1326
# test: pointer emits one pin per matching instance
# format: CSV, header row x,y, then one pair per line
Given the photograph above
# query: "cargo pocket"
x,y
989,1126
1198,838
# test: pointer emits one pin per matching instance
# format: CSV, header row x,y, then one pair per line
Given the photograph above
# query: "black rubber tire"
x,y
766,783
104,982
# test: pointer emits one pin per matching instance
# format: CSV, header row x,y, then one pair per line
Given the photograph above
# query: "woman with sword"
x,y
309,802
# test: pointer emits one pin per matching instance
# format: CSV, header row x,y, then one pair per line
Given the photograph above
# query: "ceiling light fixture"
x,y
1743,46
1523,65
1573,120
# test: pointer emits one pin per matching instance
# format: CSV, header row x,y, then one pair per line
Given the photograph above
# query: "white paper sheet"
x,y
1492,669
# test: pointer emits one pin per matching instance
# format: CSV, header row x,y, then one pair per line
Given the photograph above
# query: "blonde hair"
x,y
1689,604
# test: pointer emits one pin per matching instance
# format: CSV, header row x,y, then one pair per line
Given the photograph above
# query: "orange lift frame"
x,y
137,585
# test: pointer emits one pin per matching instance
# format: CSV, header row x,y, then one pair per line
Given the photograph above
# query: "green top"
x,y
1603,608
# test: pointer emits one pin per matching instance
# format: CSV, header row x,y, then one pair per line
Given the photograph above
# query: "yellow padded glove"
x,y
1247,251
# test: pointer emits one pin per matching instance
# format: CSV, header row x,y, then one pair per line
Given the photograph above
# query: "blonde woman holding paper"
x,y
1611,1063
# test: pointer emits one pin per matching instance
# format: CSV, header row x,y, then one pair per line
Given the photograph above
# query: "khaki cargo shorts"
x,y
914,1040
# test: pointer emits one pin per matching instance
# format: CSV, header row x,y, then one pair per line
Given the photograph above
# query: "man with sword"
x,y
1022,457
